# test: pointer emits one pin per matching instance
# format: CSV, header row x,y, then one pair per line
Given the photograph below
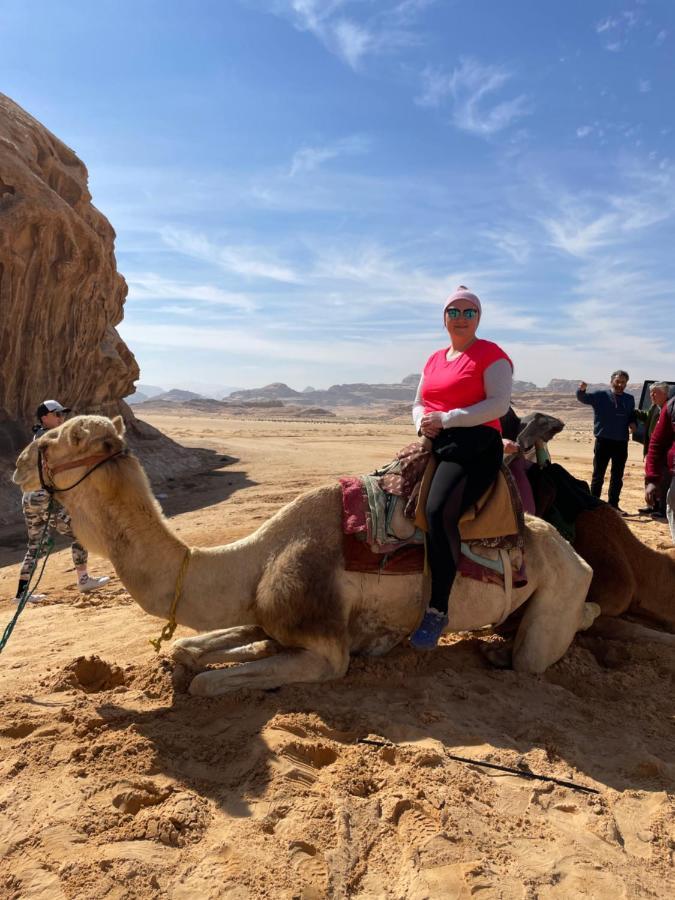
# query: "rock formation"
x,y
61,297
60,292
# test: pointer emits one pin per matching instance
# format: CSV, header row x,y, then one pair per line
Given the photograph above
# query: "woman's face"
x,y
458,324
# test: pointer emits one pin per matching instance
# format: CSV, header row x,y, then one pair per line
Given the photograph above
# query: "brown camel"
x,y
283,605
628,576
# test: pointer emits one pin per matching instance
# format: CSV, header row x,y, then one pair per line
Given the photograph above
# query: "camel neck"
x,y
123,522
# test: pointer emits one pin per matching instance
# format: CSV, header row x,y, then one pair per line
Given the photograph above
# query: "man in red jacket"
x,y
661,461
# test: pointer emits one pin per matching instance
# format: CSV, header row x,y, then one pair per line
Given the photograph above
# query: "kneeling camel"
x,y
283,605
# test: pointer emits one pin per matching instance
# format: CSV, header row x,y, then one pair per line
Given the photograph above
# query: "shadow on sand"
x,y
229,748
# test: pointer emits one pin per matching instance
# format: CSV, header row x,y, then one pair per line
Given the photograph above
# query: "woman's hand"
x,y
431,424
510,446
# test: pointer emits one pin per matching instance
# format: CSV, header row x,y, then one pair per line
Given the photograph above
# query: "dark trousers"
x,y
604,451
468,462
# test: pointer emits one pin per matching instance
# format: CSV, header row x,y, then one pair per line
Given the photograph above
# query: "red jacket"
x,y
661,451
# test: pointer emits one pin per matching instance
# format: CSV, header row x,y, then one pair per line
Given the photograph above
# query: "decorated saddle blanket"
x,y
384,527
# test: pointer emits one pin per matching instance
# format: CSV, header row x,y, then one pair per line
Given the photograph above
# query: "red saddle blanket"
x,y
407,560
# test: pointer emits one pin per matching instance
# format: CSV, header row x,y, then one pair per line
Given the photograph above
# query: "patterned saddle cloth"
x,y
384,527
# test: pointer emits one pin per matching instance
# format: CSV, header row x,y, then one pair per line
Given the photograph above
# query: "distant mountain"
x,y
275,391
358,394
520,386
150,390
134,399
177,396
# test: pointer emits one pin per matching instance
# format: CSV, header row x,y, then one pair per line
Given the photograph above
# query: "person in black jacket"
x,y
614,418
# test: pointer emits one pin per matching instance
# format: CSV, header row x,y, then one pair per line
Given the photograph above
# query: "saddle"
x,y
384,522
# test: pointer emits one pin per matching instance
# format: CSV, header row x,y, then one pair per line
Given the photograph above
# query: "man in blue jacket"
x,y
614,418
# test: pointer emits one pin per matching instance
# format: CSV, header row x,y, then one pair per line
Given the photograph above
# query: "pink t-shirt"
x,y
458,383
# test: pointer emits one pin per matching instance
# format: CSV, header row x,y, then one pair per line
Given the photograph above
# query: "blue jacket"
x,y
613,413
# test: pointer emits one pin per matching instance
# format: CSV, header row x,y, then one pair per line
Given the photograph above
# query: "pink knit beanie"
x,y
463,293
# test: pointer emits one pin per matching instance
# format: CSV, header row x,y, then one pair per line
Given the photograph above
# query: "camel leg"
x,y
288,667
200,650
552,618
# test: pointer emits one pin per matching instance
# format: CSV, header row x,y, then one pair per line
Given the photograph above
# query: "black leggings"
x,y
468,462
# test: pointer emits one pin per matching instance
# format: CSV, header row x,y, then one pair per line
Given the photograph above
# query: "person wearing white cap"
x,y
464,390
50,414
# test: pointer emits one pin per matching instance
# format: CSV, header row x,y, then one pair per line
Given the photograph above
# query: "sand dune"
x,y
114,783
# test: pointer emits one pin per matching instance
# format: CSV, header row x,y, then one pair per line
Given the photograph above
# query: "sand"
x,y
114,783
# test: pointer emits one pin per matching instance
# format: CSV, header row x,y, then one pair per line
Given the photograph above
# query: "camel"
x,y
279,603
628,576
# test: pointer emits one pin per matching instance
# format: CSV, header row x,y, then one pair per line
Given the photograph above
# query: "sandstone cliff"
x,y
60,293
61,297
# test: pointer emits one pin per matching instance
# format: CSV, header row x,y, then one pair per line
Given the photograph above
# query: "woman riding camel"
x,y
464,390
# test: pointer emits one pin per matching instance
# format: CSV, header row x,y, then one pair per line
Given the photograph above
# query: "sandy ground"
x,y
114,784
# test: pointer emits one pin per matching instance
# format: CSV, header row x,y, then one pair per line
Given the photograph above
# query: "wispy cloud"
x,y
148,286
510,243
615,30
472,87
307,159
386,30
246,261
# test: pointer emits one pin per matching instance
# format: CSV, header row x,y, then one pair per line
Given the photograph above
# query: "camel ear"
x,y
77,434
118,423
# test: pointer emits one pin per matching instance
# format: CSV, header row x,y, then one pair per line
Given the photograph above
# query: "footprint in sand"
x,y
311,866
418,829
303,762
180,820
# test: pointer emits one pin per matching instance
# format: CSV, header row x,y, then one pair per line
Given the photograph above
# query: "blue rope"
x,y
28,591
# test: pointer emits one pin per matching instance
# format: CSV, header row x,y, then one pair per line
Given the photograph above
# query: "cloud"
x,y
616,29
249,262
471,87
148,286
307,159
386,30
644,85
584,131
510,243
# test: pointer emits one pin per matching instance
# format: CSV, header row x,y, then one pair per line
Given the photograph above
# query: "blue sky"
x,y
297,185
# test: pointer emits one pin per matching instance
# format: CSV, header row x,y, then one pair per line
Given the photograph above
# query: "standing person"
x,y
658,394
614,417
464,390
50,414
661,461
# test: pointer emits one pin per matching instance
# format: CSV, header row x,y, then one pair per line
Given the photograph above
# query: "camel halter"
x,y
168,630
94,461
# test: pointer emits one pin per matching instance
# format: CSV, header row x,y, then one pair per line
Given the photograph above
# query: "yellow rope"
x,y
170,627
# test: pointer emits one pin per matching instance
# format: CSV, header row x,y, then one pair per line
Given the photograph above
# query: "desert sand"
x,y
114,783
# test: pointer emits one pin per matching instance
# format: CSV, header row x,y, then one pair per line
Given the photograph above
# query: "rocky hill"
x,y
61,298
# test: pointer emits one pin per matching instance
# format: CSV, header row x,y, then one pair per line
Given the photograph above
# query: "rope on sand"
x,y
522,773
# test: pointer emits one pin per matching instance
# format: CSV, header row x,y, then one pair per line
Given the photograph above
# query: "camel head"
x,y
81,437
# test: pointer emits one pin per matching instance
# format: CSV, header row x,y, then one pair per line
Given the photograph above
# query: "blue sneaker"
x,y
429,630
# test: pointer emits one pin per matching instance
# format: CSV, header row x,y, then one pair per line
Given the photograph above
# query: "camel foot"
x,y
499,656
590,613
186,659
229,645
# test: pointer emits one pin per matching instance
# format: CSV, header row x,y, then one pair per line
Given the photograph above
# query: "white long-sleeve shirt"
x,y
498,384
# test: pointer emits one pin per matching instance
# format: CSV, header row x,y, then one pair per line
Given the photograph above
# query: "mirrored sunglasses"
x,y
453,313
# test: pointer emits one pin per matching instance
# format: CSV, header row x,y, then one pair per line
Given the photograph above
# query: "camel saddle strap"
x,y
493,516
